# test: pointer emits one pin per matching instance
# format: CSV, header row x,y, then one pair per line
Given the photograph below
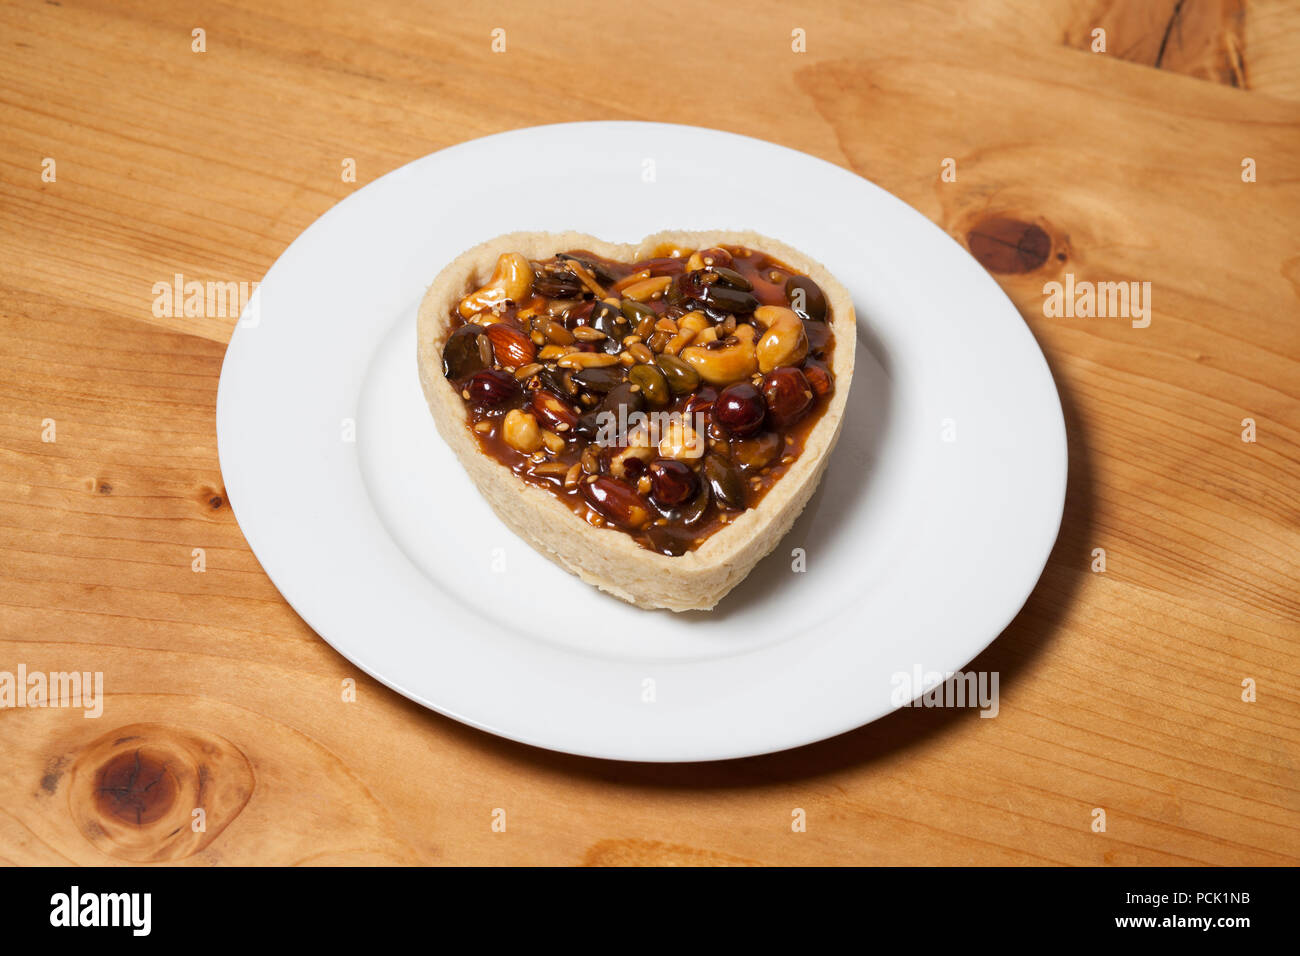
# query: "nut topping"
x,y
510,346
510,282
660,398
616,501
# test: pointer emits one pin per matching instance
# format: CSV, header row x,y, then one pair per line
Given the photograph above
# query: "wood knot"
x,y
212,498
154,793
1005,245
103,488
136,787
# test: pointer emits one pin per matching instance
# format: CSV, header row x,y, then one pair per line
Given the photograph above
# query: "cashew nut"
x,y
784,340
732,363
510,282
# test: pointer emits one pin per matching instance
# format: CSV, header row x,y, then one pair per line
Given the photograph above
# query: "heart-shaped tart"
x,y
651,417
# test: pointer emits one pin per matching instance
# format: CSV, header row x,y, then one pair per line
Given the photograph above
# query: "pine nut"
x,y
586,360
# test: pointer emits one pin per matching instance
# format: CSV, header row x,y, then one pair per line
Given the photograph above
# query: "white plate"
x,y
919,550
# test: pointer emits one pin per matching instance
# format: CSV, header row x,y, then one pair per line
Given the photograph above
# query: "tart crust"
x,y
606,557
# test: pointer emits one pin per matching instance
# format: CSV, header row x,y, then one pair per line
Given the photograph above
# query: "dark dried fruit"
x,y
600,380
716,315
553,412
701,402
671,482
788,395
732,279
694,510
724,299
610,320
558,380
616,502
598,269
806,298
580,314
492,387
819,336
588,425
675,296
740,409
622,401
726,482
557,282
703,283
692,283
468,350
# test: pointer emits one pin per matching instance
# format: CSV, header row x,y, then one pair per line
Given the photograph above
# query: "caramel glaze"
x,y
663,535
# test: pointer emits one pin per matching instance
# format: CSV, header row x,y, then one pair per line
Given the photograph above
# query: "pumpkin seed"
x,y
681,378
653,383
600,379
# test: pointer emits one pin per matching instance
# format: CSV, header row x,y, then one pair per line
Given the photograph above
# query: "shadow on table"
x,y
1013,655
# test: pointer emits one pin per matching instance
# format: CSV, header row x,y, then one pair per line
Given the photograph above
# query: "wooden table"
x,y
1122,690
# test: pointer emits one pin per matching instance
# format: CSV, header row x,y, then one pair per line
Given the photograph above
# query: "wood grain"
x,y
1120,690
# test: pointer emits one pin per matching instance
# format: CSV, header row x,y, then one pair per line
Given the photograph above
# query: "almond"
x,y
616,502
555,412
510,346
